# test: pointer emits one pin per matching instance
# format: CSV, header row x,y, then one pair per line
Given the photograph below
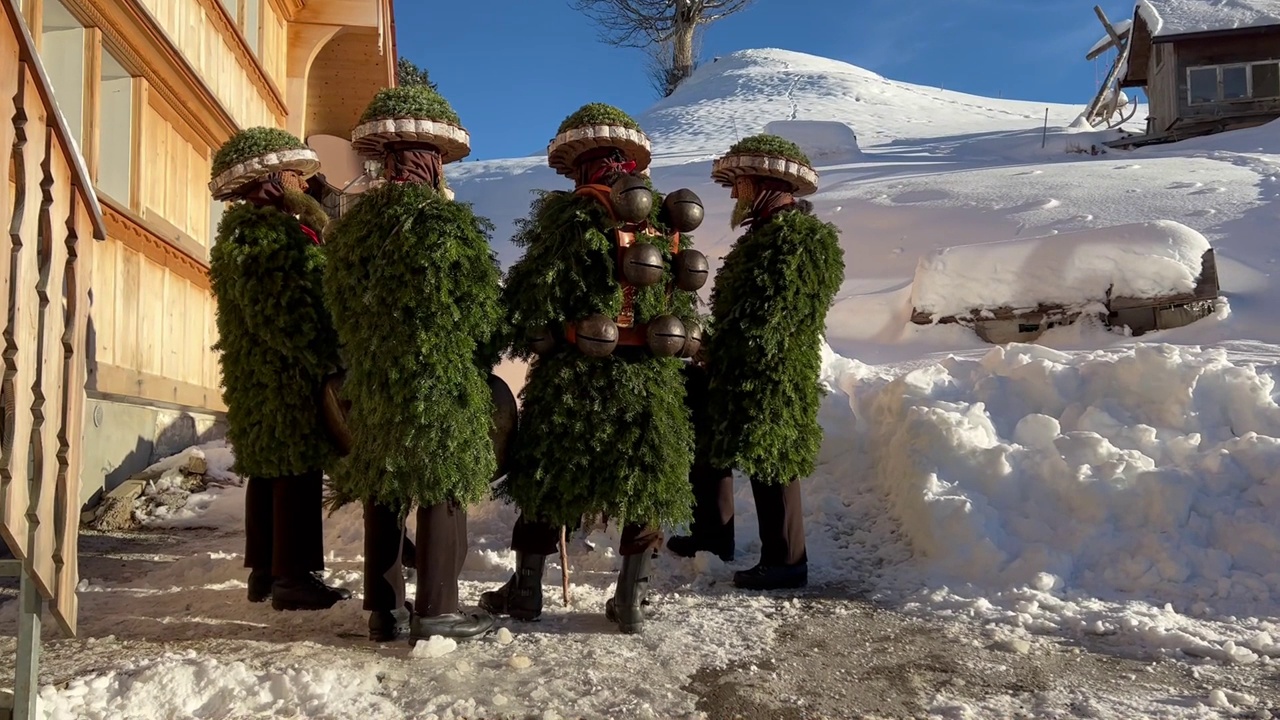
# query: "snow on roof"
x,y
1120,28
1180,17
1073,269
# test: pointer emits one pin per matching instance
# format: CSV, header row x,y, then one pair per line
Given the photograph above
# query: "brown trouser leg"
x,y
781,522
284,524
441,550
712,506
533,537
383,573
638,538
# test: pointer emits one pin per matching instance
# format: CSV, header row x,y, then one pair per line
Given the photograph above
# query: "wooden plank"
x,y
19,336
13,521
127,338
173,363
151,301
104,313
74,343
110,381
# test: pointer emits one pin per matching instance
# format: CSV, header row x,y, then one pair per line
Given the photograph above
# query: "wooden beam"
x,y
114,382
10,568
1116,38
348,13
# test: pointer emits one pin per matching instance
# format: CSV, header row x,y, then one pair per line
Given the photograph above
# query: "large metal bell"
x,y
597,335
632,199
692,340
541,340
666,336
506,421
642,265
683,210
692,270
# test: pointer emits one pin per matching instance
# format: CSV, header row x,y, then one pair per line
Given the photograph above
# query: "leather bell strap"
x,y
633,336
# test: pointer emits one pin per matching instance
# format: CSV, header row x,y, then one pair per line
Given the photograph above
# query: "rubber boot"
x,y
521,597
626,607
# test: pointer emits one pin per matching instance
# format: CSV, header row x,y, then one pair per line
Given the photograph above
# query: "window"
x,y
248,17
62,48
1233,83
1265,78
216,208
116,131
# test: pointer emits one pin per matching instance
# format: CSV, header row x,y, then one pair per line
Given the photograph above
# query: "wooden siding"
x,y
1224,50
219,60
1162,88
275,45
345,76
175,174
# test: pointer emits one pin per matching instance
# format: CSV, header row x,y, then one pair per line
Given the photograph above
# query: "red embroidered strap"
x,y
315,238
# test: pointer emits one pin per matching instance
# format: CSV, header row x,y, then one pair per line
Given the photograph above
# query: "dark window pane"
x,y
1235,82
1204,85
1266,80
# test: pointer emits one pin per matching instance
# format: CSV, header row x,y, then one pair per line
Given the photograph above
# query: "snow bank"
x,y
1178,17
1137,260
1049,484
825,139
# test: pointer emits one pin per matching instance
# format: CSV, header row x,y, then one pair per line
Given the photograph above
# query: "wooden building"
x,y
1206,67
150,89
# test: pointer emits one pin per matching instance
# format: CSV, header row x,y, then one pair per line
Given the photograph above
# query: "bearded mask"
x,y
744,191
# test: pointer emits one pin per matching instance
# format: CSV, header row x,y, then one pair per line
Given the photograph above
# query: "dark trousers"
x,y
781,516
539,538
441,549
383,571
712,506
284,524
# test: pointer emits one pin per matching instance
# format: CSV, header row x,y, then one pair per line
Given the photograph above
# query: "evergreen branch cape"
x,y
769,308
275,336
413,288
605,435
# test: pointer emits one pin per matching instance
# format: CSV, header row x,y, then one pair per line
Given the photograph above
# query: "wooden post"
x,y
26,685
1044,134
564,566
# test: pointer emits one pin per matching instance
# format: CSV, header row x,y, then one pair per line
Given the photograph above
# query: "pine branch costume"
x,y
604,427
413,287
603,302
277,344
275,336
769,309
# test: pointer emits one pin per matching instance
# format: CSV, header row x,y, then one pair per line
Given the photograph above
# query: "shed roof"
x,y
1169,18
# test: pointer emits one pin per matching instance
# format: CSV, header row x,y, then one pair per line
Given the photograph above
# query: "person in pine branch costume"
x,y
413,288
768,311
603,301
277,344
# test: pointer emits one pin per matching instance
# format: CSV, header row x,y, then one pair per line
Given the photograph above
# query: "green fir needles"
x,y
252,143
276,340
769,145
769,310
413,101
413,289
597,114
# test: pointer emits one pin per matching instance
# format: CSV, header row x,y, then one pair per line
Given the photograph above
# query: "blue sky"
x,y
513,69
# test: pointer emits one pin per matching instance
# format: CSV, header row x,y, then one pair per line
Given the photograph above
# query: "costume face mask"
x,y
744,191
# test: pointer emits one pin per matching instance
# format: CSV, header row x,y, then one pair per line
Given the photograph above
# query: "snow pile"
x,y
187,489
1179,17
1050,484
1121,27
1138,260
188,686
819,139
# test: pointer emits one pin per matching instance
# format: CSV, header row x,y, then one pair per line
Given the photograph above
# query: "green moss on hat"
x,y
769,145
252,143
597,114
414,101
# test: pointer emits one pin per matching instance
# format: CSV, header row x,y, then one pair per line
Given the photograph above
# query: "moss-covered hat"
x,y
255,153
597,125
767,156
413,113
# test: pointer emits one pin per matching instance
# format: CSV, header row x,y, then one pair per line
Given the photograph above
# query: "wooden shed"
x,y
1205,67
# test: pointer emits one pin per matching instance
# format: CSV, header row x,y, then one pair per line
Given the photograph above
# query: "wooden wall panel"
x,y
174,182
275,45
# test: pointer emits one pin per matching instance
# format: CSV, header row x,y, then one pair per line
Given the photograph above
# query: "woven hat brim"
x,y
303,161
454,142
569,145
729,168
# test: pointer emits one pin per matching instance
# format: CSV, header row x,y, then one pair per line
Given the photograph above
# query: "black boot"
x,y
459,626
690,545
387,625
259,586
521,597
625,607
773,577
305,592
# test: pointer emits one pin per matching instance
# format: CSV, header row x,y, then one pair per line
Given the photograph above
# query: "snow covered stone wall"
x,y
1139,260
